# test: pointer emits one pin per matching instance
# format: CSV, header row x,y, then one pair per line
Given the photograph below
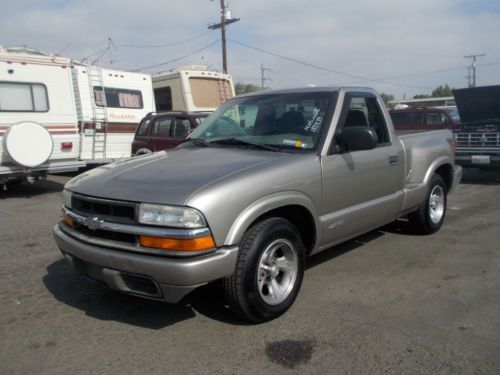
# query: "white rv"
x,y
110,104
38,120
192,88
58,115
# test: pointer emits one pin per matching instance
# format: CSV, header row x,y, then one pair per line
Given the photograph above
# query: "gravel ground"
x,y
388,302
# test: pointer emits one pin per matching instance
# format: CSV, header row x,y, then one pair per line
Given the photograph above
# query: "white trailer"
x,y
59,115
110,104
38,120
192,88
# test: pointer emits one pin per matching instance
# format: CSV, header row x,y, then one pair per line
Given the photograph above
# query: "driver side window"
x,y
365,111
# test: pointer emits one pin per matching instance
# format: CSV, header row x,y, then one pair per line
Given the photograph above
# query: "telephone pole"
x,y
225,19
473,68
263,79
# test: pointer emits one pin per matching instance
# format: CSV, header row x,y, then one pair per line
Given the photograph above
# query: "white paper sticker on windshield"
x,y
314,124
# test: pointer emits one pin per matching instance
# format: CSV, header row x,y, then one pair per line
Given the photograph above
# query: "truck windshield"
x,y
280,121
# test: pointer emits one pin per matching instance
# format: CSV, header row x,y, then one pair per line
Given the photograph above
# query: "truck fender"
x,y
443,160
269,203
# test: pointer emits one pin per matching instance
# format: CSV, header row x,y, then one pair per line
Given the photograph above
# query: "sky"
x,y
400,47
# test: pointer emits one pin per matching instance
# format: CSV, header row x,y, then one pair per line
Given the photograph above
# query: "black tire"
x,y
429,217
143,151
248,293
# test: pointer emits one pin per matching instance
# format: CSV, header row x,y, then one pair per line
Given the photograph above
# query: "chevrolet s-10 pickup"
x,y
265,181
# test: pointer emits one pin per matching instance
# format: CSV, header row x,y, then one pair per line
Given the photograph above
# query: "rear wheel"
x,y
429,217
268,273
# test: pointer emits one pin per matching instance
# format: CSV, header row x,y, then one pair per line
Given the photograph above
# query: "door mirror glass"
x,y
357,138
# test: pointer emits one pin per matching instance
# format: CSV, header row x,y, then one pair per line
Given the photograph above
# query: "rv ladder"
x,y
222,90
99,111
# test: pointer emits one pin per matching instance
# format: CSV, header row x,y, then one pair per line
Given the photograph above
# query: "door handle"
x,y
393,160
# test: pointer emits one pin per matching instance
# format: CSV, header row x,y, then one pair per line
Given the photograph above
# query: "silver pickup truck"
x,y
266,180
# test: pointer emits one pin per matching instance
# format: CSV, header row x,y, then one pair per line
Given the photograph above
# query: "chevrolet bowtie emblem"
x,y
93,223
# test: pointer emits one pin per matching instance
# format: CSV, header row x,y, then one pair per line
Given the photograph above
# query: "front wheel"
x,y
429,217
268,273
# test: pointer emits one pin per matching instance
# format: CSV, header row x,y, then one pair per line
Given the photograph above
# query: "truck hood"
x,y
478,103
167,177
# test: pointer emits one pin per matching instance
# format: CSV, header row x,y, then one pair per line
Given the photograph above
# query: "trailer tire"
x,y
429,217
269,271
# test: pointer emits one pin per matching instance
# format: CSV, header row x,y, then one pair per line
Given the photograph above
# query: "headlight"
x,y
170,216
66,198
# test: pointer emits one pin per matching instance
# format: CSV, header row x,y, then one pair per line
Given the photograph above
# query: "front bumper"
x,y
157,277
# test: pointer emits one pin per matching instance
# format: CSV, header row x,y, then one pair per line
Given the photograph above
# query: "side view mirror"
x,y
357,138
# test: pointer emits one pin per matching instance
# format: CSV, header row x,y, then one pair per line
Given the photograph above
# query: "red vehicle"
x,y
425,118
162,130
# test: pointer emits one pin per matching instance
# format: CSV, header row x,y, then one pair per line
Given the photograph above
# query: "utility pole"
x,y
263,79
225,19
468,77
473,67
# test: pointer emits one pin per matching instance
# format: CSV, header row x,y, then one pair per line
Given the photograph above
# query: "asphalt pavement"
x,y
388,302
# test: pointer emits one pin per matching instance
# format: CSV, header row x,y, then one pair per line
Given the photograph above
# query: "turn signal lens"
x,y
192,244
68,220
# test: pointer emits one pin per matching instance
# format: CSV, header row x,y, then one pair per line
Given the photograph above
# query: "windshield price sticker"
x,y
297,144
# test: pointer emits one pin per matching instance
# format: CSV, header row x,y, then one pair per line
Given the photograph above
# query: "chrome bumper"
x,y
149,276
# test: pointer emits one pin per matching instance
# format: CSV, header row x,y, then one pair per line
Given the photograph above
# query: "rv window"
x,y
209,92
23,97
118,98
163,99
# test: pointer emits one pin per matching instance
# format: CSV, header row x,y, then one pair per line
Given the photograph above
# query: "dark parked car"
x,y
160,130
425,118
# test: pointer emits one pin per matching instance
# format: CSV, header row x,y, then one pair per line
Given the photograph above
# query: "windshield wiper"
x,y
197,141
236,141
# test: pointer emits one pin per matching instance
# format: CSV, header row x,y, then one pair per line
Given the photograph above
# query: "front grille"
x,y
478,140
109,210
106,234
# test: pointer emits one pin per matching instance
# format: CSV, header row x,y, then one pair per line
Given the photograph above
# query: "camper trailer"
x,y
58,115
38,119
110,104
192,88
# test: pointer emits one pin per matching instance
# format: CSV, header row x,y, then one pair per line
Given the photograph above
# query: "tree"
x,y
243,88
421,96
386,98
441,91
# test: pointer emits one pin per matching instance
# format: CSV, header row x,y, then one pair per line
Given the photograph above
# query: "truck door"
x,y
361,189
162,133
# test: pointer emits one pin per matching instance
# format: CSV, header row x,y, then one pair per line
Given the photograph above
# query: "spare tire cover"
x,y
28,144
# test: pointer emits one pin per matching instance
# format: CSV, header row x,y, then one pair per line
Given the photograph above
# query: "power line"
x,y
324,68
164,45
177,58
104,50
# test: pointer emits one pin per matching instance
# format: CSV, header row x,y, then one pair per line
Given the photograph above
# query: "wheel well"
x,y
446,173
300,217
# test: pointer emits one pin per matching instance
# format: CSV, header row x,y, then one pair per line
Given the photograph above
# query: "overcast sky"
x,y
362,42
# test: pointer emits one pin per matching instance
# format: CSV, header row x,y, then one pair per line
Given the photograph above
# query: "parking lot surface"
x,y
388,302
